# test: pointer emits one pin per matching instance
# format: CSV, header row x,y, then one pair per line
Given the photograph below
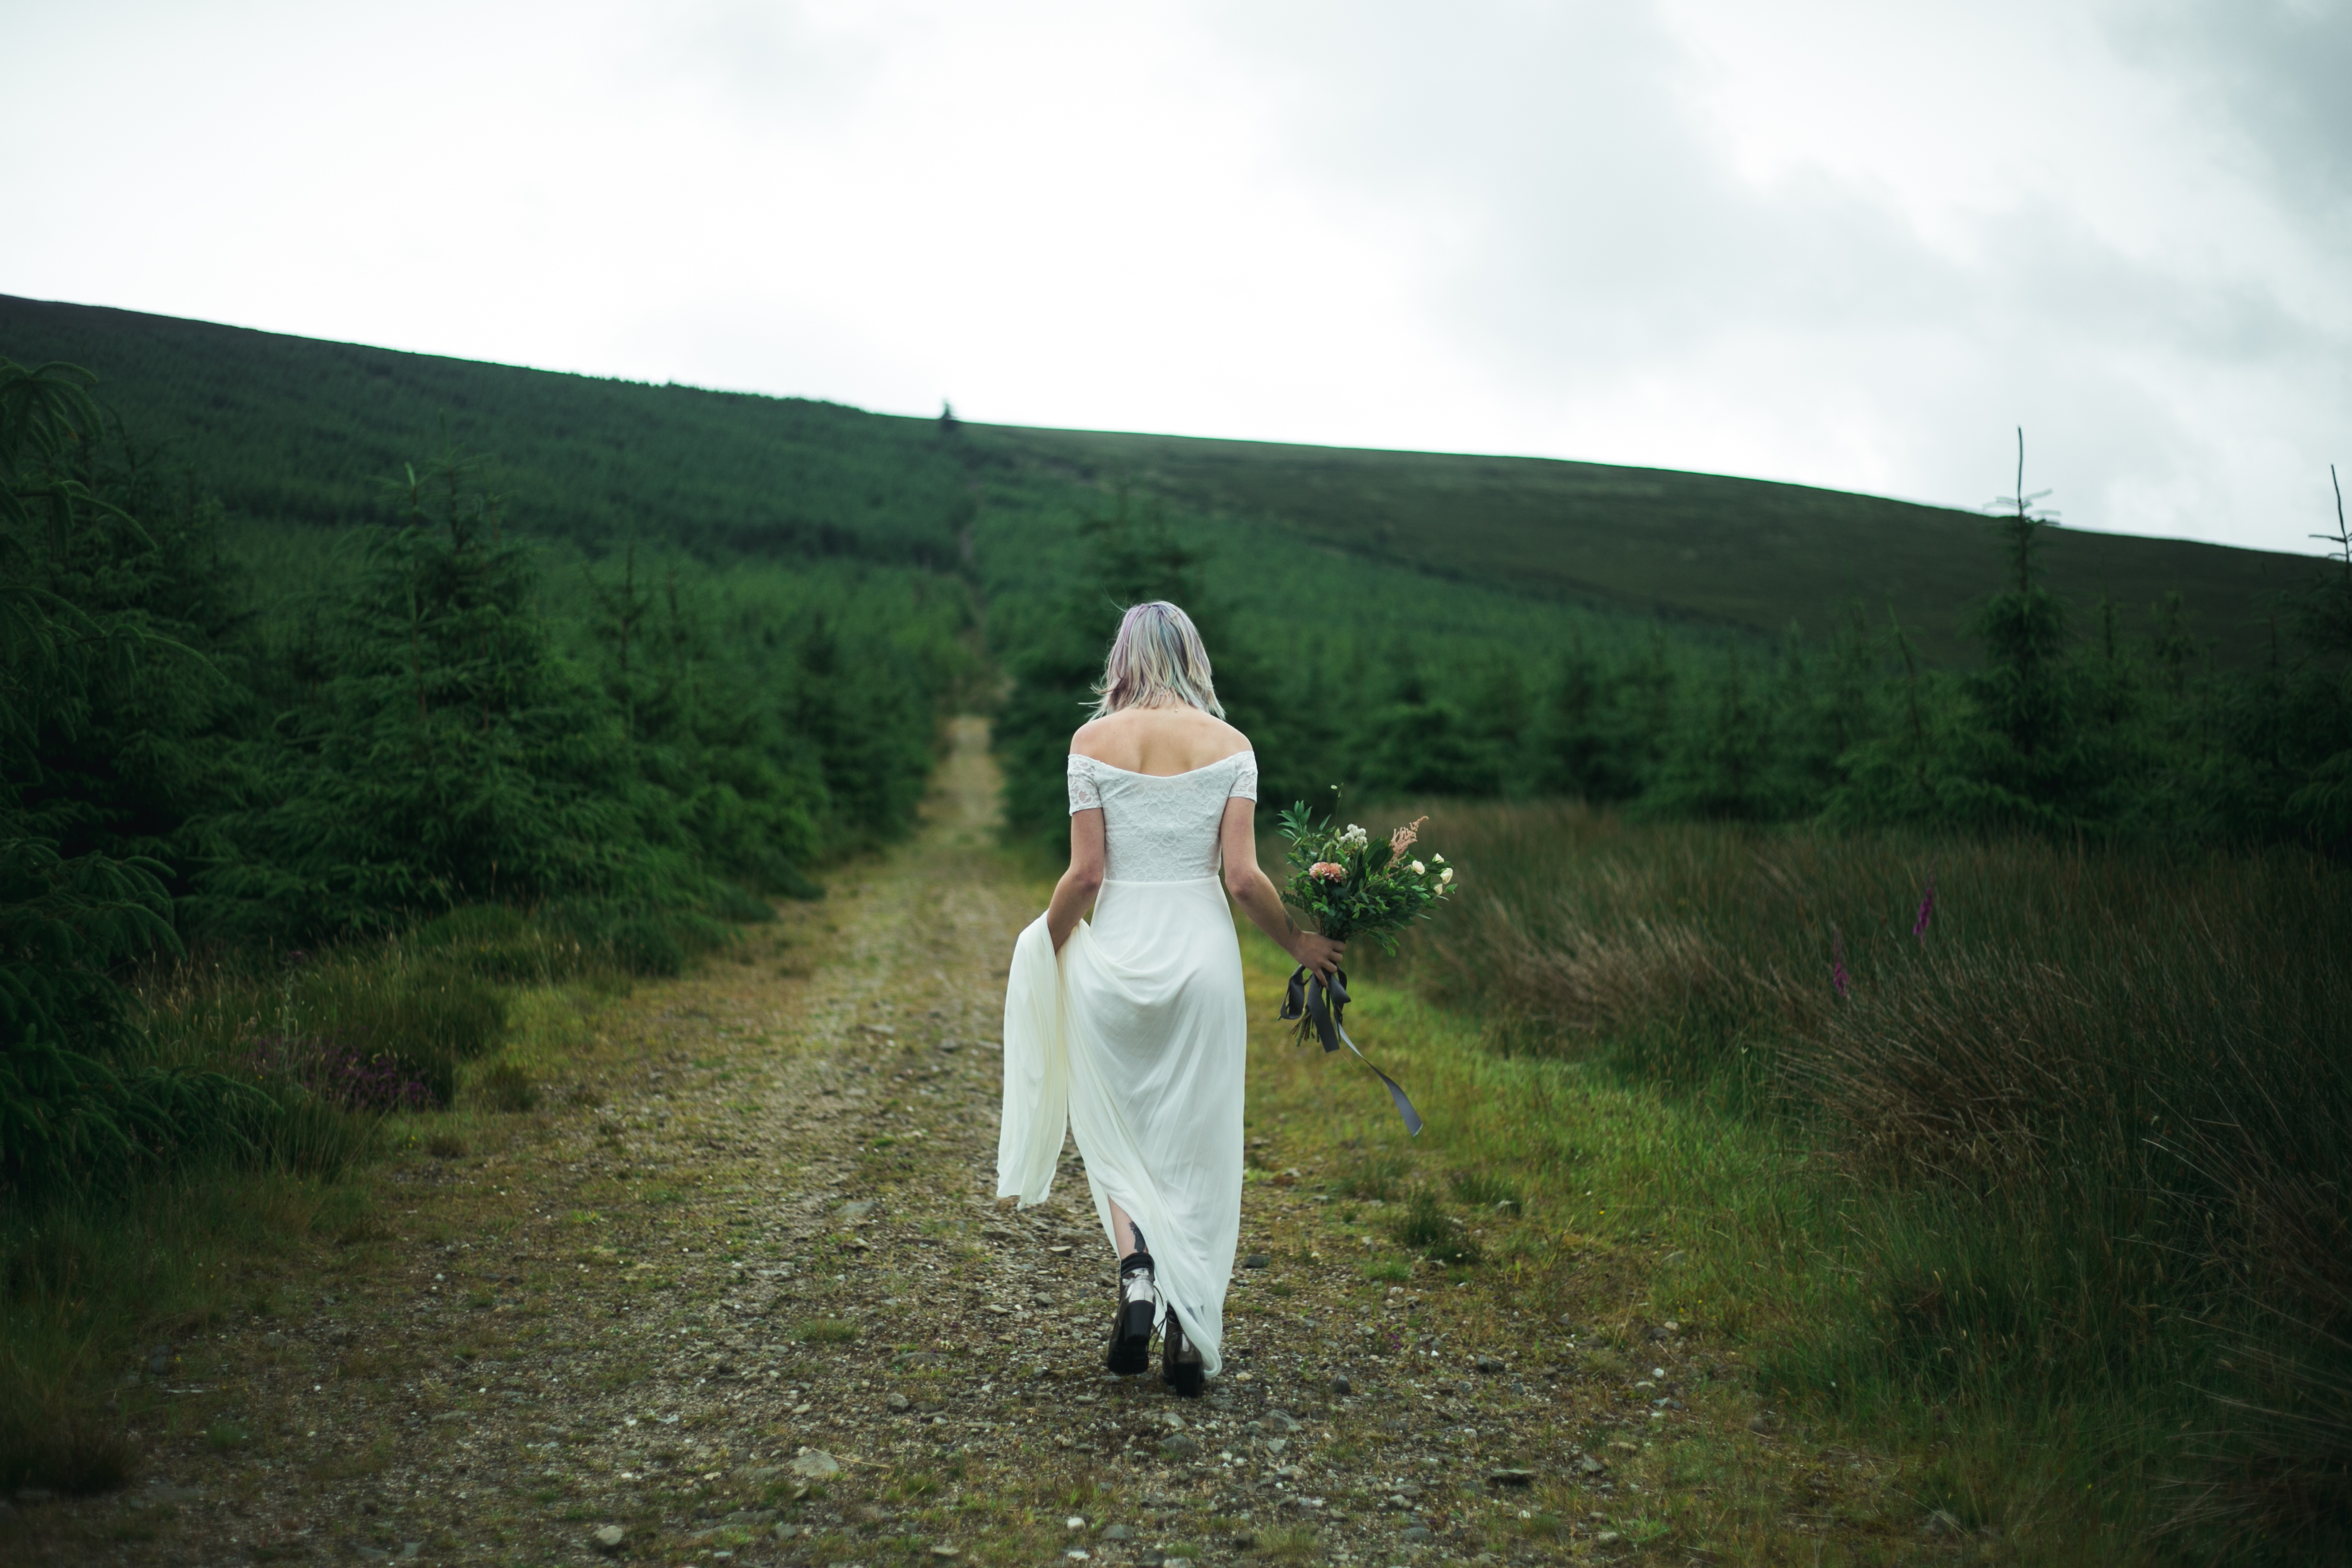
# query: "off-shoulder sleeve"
x,y
1084,795
1244,779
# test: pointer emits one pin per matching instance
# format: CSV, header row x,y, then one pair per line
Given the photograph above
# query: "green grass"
x,y
95,1283
824,1332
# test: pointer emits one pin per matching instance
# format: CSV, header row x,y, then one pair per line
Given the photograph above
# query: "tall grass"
x,y
2081,1138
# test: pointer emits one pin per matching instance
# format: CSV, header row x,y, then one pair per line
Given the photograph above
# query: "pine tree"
x,y
2030,758
1719,763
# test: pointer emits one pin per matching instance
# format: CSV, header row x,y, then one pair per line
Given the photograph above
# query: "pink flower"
x,y
1328,872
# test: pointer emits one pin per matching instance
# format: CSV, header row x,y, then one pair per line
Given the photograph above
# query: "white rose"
x,y
1446,875
1439,858
1418,869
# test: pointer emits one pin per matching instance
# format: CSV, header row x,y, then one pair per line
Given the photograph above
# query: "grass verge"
x,y
355,1052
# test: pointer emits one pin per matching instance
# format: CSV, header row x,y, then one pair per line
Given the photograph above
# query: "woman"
x,y
1131,1031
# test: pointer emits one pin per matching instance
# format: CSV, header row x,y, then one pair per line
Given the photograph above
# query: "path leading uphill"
x,y
740,1292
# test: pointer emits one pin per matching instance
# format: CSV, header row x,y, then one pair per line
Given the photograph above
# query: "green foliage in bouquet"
x,y
1352,886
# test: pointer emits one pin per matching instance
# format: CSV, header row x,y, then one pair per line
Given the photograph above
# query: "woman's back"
x,y
1161,778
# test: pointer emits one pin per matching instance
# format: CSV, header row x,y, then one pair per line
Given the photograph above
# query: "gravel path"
x,y
740,1292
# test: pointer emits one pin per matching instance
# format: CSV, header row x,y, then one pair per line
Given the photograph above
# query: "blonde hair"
x,y
1156,661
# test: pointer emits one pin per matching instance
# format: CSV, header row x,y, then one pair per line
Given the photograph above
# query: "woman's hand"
x,y
1319,953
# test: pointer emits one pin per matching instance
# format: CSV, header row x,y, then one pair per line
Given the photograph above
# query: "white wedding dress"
x,y
1136,1037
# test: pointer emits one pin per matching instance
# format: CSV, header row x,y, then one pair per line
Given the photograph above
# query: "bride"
x,y
1131,1030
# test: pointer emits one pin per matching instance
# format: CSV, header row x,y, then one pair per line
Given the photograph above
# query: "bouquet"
x,y
1352,887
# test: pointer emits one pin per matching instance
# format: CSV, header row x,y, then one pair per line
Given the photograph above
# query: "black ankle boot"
x,y
1139,1303
1180,1362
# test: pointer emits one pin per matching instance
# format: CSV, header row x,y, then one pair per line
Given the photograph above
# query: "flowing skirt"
x,y
1135,1040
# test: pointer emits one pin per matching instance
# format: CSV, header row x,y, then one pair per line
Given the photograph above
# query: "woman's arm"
x,y
1237,837
1080,884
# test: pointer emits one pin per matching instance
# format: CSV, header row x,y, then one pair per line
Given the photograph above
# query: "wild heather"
x,y
340,1072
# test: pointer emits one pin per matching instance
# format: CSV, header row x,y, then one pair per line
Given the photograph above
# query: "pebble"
x,y
1178,1446
1415,1533
896,1401
816,1465
857,1210
1258,1260
1341,1386
1590,1466
1607,1538
610,1539
1117,1533
1490,1363
1512,1478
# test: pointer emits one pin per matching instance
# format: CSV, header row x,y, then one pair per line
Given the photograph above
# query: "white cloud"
x,y
1843,243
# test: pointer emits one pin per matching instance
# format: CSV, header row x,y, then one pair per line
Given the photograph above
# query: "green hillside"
x,y
293,429
1742,551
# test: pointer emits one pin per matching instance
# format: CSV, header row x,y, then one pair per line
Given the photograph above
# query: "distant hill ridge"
x,y
1750,552
302,430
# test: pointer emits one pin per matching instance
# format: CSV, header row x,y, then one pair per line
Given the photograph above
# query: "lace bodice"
x,y
1161,830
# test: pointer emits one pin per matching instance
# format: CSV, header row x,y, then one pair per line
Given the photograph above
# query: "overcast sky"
x,y
1850,244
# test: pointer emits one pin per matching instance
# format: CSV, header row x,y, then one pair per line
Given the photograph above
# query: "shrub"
x,y
1375,1176
1425,1227
824,1332
506,1087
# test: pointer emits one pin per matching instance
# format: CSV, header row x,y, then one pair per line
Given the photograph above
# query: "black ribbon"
x,y
1317,1004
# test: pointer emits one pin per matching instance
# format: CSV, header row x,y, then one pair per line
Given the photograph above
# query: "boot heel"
x,y
1130,1339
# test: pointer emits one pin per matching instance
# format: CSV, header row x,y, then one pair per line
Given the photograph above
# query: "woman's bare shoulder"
x,y
1148,739
1093,738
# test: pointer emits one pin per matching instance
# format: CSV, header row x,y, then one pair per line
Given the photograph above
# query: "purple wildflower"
x,y
1926,909
338,1072
1838,980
